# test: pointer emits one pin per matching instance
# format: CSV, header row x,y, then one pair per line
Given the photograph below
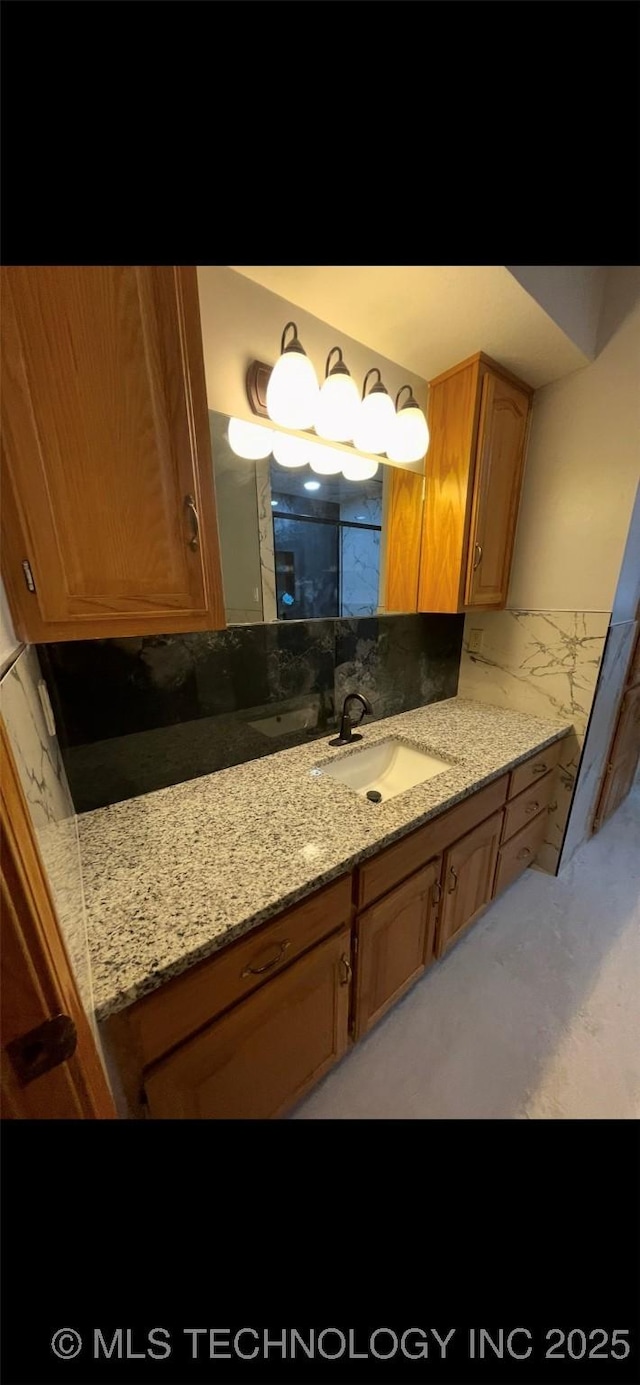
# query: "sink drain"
x,y
374,795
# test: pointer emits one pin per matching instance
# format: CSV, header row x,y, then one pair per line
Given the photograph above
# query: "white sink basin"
x,y
389,768
283,723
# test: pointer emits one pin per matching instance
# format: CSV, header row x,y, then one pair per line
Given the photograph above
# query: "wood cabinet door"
x,y
395,944
502,433
633,675
623,759
263,1055
107,474
467,879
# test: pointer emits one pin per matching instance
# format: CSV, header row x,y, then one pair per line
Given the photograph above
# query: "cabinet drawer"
x,y
387,869
257,1060
177,1010
533,769
520,852
519,811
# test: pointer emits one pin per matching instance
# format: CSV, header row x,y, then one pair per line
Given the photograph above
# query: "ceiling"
x,y
428,317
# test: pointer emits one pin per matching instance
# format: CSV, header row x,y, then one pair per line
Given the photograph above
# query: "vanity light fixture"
x,y
292,391
376,417
290,452
338,402
409,437
359,468
249,440
325,461
312,485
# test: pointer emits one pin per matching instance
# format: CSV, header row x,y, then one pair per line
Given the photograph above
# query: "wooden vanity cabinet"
x,y
468,876
478,419
264,1054
394,945
108,514
247,1032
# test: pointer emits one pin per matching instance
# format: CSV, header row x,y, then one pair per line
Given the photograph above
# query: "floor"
x,y
535,1014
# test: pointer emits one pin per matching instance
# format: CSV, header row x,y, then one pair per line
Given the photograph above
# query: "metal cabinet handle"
x,y
195,522
453,872
532,806
477,556
522,855
348,970
436,892
539,769
257,971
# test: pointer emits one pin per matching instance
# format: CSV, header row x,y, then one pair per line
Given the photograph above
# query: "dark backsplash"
x,y
139,714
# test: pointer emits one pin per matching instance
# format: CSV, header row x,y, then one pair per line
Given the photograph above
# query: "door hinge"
x,y
609,769
43,1048
28,575
355,944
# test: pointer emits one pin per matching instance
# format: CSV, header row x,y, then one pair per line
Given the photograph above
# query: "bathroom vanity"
x,y
247,927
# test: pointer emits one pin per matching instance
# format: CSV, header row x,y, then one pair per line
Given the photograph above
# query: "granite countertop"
x,y
174,875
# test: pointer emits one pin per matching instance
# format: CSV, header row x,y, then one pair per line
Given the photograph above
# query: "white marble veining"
x,y
617,654
43,778
546,663
359,571
174,875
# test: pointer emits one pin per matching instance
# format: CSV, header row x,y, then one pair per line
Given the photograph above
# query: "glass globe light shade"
x,y
249,440
359,468
290,452
375,420
325,461
337,411
409,437
292,391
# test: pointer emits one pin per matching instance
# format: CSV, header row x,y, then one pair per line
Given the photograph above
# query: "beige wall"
x,y
582,470
570,294
242,322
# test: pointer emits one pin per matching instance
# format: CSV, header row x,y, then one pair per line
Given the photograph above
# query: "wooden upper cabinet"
x,y
478,419
504,416
108,500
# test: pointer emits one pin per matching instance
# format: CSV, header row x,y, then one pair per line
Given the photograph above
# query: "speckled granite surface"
x,y
172,876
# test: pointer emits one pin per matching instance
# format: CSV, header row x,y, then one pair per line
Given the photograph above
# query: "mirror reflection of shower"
x,y
296,544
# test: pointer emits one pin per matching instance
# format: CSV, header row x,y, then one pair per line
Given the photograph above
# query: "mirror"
x,y
295,545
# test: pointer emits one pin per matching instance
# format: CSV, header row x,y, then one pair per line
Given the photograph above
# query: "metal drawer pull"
x,y
347,973
531,807
522,855
436,893
453,872
257,971
478,556
195,522
539,769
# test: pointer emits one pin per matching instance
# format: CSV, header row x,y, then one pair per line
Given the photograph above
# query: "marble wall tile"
x,y
613,671
544,662
359,571
399,662
139,714
44,780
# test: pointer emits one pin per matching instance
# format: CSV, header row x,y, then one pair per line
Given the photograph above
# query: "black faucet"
x,y
347,733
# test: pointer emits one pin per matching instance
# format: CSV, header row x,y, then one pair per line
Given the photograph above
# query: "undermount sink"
x,y
387,768
283,723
